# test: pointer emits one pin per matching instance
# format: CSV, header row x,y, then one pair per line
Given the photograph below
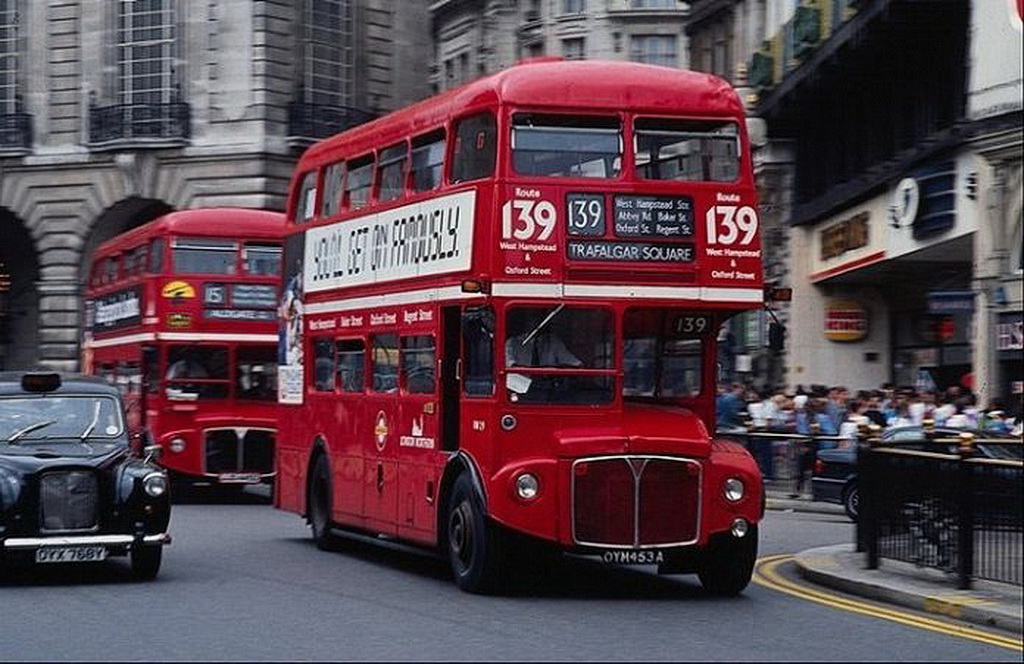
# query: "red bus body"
x,y
182,313
387,405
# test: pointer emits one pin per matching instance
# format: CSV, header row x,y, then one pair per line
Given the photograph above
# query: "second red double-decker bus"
x,y
182,313
501,308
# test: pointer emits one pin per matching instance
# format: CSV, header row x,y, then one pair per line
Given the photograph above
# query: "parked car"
x,y
834,479
72,489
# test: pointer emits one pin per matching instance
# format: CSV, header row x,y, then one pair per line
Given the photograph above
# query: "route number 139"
x,y
725,223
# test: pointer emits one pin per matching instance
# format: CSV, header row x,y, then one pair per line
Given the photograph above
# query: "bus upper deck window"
x,y
427,161
357,187
566,146
687,150
391,172
305,206
475,148
156,256
204,256
262,259
334,179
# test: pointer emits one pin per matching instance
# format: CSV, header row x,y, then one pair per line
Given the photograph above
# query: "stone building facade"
x,y
478,37
112,113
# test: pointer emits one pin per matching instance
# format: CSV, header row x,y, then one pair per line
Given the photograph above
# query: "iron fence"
x,y
312,122
139,122
15,131
953,512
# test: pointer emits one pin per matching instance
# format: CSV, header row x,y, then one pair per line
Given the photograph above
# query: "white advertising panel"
x,y
432,237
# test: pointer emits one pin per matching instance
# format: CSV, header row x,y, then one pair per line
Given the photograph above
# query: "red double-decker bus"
x,y
500,317
182,314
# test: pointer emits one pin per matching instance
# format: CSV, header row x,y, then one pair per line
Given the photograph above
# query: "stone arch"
x,y
19,295
120,217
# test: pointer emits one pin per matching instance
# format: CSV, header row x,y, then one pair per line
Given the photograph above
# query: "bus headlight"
x,y
733,489
177,444
155,484
527,486
739,528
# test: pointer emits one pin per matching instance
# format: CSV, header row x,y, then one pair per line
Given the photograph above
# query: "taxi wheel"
x,y
851,502
146,562
474,551
729,563
320,504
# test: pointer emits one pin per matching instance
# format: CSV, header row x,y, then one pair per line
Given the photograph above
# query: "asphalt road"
x,y
243,582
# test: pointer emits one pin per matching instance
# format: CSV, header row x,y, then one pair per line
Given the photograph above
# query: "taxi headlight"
x,y
155,484
527,486
733,489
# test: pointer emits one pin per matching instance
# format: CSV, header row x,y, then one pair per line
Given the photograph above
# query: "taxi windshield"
x,y
65,416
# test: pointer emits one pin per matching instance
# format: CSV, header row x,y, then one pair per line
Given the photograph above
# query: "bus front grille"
x,y
68,501
636,501
239,450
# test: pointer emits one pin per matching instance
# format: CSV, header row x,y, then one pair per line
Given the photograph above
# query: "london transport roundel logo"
x,y
380,430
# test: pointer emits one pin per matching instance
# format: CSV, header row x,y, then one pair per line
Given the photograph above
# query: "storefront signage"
x,y
950,302
1010,333
845,236
845,321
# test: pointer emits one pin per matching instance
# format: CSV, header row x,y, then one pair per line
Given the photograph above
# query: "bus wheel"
x,y
320,504
473,549
146,561
729,563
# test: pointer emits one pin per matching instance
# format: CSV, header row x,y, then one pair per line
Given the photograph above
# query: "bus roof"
x,y
583,85
231,222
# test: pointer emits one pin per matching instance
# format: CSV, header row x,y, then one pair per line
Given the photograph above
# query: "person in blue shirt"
x,y
730,408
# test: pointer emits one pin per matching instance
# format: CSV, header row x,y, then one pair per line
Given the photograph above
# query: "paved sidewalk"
x,y
841,567
986,603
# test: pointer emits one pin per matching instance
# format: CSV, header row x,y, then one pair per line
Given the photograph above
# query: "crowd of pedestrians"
x,y
833,415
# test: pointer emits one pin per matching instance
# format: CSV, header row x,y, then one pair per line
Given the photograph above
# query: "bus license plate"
x,y
239,478
632,557
71,554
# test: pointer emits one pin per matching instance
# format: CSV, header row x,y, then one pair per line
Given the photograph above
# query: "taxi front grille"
x,y
68,501
239,451
636,501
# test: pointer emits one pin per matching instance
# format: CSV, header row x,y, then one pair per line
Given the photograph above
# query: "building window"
x,y
9,56
573,49
654,50
574,6
327,69
653,4
146,50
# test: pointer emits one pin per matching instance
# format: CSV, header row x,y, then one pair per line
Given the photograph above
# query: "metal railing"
x,y
311,122
955,512
148,122
15,131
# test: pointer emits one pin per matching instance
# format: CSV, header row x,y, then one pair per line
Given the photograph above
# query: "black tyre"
x,y
474,552
729,563
146,561
851,502
320,504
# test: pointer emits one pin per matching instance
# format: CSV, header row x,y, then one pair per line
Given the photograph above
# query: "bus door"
x,y
418,434
380,443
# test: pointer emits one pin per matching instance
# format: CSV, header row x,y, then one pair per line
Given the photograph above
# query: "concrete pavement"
x,y
840,566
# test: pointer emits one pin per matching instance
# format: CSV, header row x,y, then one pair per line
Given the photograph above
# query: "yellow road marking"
x,y
766,574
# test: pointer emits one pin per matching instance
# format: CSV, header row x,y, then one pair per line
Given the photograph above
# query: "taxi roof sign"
x,y
40,382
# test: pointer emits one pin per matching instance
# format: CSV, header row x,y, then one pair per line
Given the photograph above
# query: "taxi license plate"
x,y
239,478
71,554
632,557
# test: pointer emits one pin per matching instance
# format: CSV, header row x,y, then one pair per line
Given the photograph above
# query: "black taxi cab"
x,y
73,489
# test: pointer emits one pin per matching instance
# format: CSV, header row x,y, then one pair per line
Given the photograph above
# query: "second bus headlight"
x,y
527,486
733,489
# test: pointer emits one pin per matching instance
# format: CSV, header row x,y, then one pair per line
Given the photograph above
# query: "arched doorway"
x,y
19,297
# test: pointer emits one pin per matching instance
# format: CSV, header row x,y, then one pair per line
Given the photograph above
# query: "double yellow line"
x,y
766,574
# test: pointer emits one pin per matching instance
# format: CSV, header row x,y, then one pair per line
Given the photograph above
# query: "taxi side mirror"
x,y
152,452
